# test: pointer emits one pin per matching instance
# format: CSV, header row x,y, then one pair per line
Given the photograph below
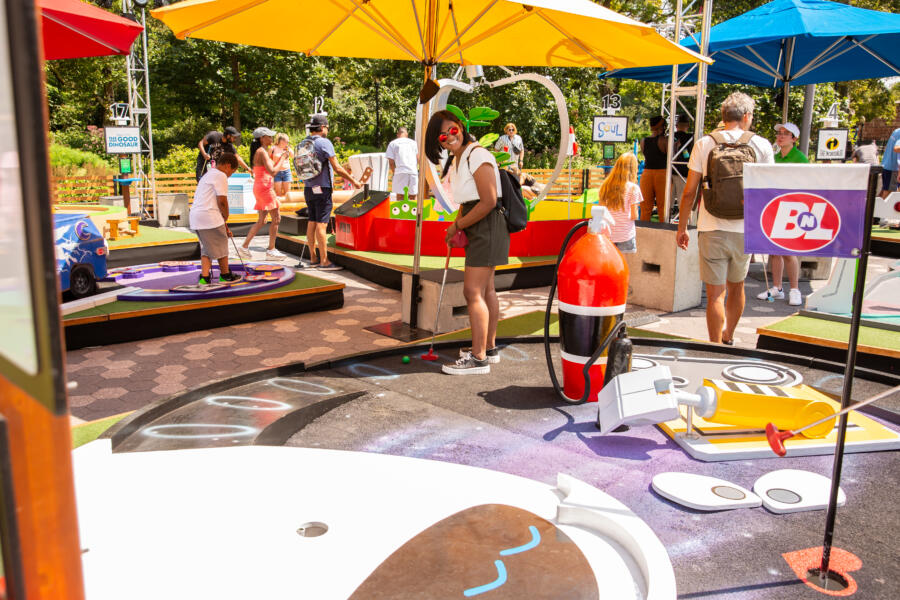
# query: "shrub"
x,y
67,161
180,159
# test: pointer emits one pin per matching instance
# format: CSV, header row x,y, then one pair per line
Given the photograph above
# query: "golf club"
x,y
458,241
233,243
769,297
776,438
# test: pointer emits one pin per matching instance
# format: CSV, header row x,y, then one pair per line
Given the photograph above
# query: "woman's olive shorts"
x,y
488,239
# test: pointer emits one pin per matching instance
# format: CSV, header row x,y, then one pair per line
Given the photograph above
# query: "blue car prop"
x,y
81,253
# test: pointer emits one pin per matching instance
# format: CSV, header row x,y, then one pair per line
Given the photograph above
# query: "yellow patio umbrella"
x,y
549,33
554,33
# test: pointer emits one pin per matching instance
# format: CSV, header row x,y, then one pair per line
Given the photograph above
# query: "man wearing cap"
x,y
786,135
402,154
214,143
317,192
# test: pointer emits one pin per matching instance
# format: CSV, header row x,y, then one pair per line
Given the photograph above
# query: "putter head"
x,y
769,298
430,355
776,439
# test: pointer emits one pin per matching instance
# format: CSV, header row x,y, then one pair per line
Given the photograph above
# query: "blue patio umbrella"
x,y
793,42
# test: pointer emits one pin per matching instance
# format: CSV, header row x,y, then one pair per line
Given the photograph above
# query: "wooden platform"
x,y
388,269
124,321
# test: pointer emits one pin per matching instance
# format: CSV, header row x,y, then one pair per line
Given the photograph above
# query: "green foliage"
x,y
180,159
71,161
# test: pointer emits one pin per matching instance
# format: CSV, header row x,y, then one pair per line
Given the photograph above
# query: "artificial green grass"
x,y
836,331
301,282
532,324
425,262
88,432
884,232
152,235
91,212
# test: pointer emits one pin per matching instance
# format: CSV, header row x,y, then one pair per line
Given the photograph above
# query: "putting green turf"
x,y
532,324
835,331
88,432
885,233
301,282
152,235
426,262
92,210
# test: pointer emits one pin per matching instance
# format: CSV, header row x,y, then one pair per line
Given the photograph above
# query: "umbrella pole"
x,y
423,189
858,291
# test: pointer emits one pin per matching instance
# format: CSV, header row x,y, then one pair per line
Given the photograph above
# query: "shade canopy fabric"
x,y
795,42
74,29
564,33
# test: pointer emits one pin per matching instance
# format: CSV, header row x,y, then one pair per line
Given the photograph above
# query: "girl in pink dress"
x,y
263,190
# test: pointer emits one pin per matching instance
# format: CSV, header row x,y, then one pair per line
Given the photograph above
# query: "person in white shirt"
x,y
403,156
723,264
209,213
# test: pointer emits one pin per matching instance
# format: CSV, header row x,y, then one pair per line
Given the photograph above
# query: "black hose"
x,y
552,370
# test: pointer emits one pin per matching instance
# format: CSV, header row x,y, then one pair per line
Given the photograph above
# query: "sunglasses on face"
x,y
452,131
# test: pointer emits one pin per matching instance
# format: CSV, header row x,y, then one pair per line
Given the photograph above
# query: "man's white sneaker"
x,y
776,293
795,298
244,253
274,254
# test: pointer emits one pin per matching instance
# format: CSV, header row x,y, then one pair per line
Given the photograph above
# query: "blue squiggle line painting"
x,y
501,579
535,540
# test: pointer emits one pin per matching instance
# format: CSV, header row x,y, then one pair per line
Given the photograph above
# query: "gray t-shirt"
x,y
867,153
324,150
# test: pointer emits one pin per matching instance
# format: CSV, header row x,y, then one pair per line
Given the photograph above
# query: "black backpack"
x,y
511,202
723,194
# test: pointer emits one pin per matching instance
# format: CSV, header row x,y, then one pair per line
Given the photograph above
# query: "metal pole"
x,y
146,66
673,105
788,62
831,515
700,116
806,126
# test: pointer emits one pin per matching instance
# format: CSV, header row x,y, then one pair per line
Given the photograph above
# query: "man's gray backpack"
x,y
723,189
306,161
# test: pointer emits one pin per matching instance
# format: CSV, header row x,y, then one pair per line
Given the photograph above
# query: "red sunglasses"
x,y
451,131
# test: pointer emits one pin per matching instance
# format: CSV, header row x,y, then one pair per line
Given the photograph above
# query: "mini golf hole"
x,y
312,529
832,581
783,496
728,492
679,381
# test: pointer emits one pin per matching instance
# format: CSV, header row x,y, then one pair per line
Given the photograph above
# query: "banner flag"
x,y
805,210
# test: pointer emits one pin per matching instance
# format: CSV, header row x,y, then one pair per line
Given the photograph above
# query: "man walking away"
x,y
403,155
213,144
317,191
723,264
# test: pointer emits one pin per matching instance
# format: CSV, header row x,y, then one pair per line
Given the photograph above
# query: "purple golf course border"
x,y
157,288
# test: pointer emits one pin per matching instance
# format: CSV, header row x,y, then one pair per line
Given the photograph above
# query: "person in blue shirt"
x,y
889,164
317,192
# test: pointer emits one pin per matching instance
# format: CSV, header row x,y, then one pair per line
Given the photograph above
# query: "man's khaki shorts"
x,y
722,257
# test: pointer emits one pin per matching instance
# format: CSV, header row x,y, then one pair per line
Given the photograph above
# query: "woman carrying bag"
x,y
475,181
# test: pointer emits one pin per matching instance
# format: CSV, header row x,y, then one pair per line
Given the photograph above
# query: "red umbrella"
x,y
74,29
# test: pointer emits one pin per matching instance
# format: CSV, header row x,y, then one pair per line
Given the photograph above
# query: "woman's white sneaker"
x,y
467,365
795,298
492,354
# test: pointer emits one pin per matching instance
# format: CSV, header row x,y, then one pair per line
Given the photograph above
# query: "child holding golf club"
x,y
475,180
209,213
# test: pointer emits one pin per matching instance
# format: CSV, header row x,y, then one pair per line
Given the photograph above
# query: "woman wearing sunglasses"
x,y
475,182
512,142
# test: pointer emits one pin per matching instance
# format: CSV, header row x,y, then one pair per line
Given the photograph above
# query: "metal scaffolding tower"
x,y
685,23
139,111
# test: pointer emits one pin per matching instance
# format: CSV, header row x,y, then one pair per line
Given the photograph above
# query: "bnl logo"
x,y
800,221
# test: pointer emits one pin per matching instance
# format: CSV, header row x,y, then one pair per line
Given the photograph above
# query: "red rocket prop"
x,y
593,289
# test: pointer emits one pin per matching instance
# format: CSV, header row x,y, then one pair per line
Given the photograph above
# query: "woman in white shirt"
x,y
512,142
475,181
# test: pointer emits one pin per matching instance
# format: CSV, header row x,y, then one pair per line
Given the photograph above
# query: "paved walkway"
x,y
122,377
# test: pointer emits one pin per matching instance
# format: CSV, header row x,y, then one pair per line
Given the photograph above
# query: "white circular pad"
x,y
703,493
793,490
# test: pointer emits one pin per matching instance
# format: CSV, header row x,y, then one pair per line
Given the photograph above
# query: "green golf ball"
x,y
405,360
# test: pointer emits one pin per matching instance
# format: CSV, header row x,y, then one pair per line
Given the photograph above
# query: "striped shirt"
x,y
623,230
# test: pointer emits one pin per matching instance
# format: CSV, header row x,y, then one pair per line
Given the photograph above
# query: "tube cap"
x,y
600,219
